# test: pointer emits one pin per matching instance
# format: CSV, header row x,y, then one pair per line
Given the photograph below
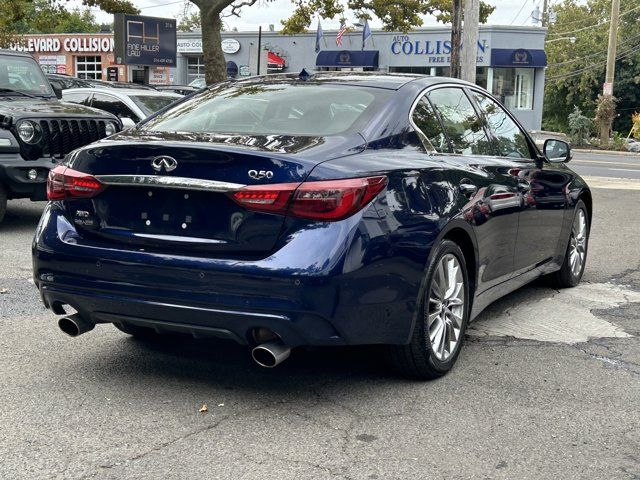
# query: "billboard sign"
x,y
140,40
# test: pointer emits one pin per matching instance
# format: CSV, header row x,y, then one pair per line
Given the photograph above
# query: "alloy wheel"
x,y
578,243
446,307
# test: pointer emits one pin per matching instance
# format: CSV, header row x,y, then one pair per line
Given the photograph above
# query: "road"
x,y
547,386
606,164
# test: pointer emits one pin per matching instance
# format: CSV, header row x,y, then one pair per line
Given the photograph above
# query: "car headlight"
x,y
110,128
28,131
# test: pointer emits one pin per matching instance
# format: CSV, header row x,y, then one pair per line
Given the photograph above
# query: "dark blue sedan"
x,y
333,209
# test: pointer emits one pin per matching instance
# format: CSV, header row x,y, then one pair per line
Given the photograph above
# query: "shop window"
x,y
89,67
481,76
514,87
443,71
195,67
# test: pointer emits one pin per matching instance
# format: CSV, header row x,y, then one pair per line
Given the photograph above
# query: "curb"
x,y
612,152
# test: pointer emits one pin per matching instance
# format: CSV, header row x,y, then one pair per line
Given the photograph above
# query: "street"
x,y
606,164
547,385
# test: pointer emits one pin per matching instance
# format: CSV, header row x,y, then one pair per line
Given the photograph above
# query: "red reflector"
x,y
328,200
65,183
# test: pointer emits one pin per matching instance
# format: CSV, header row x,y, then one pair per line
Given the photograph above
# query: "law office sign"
x,y
140,40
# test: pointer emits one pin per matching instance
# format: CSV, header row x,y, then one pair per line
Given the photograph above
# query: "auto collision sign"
x,y
142,40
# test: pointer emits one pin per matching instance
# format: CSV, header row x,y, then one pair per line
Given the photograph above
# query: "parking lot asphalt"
x,y
547,386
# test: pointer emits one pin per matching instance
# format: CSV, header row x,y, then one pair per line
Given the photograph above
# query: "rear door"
x,y
541,190
451,125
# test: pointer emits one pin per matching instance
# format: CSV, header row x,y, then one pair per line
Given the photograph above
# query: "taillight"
x,y
328,200
65,183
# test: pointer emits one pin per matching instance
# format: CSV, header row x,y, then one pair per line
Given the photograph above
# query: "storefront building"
x,y
88,56
511,60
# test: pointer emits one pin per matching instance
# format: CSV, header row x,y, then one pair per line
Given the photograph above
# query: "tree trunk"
x,y
456,28
215,66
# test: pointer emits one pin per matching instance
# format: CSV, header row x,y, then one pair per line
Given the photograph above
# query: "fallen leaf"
x,y
3,290
221,404
203,408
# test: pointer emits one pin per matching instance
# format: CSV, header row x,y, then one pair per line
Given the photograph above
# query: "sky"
x,y
508,12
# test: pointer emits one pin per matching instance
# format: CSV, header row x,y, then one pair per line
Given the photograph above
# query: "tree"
x,y
50,16
399,15
576,69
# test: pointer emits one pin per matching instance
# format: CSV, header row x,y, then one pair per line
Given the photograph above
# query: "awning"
x,y
348,58
506,57
275,62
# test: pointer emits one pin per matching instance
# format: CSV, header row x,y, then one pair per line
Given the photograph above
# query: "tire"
x,y
140,333
3,202
425,357
570,274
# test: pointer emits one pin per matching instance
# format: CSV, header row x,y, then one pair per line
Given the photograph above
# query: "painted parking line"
x,y
612,183
602,162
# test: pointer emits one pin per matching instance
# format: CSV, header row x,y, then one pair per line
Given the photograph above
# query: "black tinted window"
x,y
509,140
425,118
277,108
461,124
113,105
82,98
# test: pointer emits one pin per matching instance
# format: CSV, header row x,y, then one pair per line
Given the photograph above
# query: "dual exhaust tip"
x,y
269,354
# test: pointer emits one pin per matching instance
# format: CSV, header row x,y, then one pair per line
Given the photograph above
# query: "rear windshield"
x,y
151,104
275,109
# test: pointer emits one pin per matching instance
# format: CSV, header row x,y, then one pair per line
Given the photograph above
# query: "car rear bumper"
x,y
334,285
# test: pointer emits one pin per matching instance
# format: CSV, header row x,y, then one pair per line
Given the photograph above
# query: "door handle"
x,y
468,189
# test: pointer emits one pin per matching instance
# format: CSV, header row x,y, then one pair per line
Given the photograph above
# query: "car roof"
x,y
124,92
4,51
389,81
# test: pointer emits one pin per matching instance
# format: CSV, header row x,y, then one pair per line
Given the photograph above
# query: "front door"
x,y
541,188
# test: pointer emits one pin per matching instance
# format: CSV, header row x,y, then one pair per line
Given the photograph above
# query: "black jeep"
x,y
37,129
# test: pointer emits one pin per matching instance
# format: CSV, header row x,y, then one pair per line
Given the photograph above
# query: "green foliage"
x,y
579,127
576,69
401,15
52,16
189,22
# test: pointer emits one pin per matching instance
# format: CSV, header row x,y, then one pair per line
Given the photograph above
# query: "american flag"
x,y
341,32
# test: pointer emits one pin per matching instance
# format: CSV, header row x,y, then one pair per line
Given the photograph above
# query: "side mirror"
x,y
57,91
556,151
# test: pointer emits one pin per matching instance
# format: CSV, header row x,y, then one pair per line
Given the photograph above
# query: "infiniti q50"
x,y
332,209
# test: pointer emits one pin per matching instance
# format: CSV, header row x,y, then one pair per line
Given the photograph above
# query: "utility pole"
x,y
456,28
545,13
611,50
607,88
470,40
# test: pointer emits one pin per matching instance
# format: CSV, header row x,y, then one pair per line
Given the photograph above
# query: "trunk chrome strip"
x,y
169,182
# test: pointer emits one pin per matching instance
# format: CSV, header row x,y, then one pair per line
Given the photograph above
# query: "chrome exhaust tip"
x,y
270,354
74,325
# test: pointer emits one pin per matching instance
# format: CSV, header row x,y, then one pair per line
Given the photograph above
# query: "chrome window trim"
x,y
183,183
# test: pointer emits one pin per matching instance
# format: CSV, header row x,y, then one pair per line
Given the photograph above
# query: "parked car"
x,y
198,83
129,105
180,89
36,129
339,210
540,136
61,82
632,145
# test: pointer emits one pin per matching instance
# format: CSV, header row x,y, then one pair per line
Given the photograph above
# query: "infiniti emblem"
x,y
168,164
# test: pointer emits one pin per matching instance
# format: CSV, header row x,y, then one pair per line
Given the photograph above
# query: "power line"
x,y
519,12
628,40
628,53
604,22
